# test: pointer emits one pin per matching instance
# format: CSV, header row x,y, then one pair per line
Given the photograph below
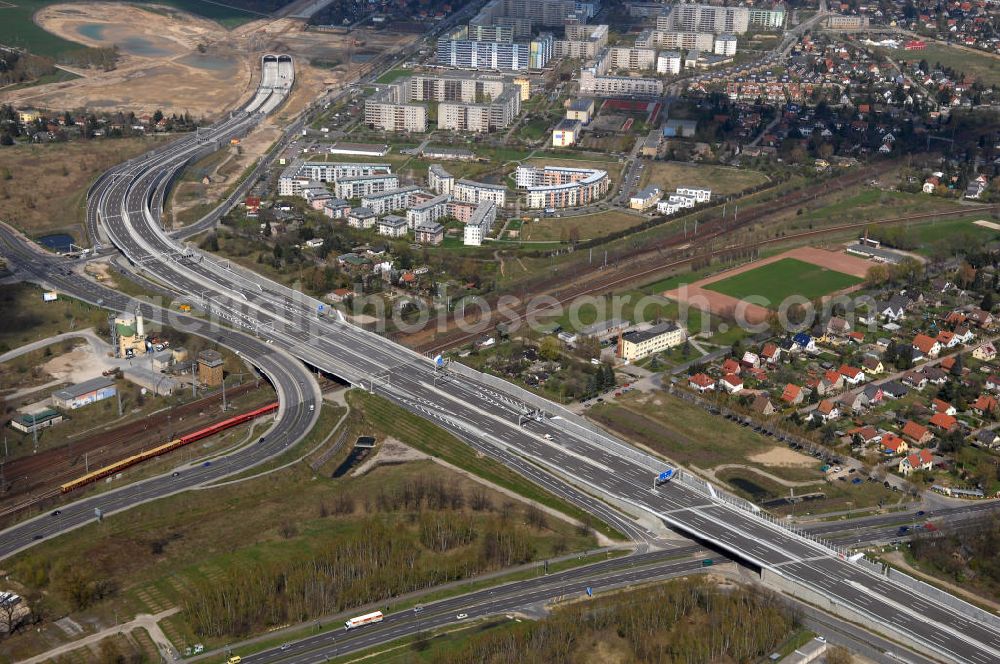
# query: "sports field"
x,y
783,278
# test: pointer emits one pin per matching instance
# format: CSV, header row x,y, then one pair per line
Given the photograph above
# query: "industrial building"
x,y
638,344
210,365
32,422
128,334
84,394
561,187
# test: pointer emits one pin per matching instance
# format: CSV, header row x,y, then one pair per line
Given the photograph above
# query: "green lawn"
x,y
982,66
19,30
781,279
393,75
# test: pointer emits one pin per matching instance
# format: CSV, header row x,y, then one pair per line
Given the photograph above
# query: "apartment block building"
x,y
668,62
561,187
390,109
582,41
385,202
705,18
301,175
631,59
479,225
439,180
470,191
427,211
612,86
365,185
674,39
458,50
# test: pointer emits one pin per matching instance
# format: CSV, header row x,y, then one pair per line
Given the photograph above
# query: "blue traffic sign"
x,y
320,308
665,475
590,591
439,361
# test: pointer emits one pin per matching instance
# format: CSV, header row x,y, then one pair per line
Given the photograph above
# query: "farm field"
x,y
18,29
783,278
722,180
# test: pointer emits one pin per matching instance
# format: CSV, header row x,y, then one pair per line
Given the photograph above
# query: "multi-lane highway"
x,y
297,393
553,447
491,416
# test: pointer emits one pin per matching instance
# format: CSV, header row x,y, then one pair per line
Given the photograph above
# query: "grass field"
x,y
154,553
868,204
784,278
29,173
927,235
589,226
19,30
722,180
982,66
393,75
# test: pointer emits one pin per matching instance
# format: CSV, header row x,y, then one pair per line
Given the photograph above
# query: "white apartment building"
x,y
470,102
480,224
300,174
365,185
673,39
582,41
469,191
668,62
611,86
725,45
439,180
392,226
631,59
771,19
561,187
427,211
700,195
705,18
645,198
393,199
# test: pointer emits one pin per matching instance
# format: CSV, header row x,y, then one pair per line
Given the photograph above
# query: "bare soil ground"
x,y
696,295
782,456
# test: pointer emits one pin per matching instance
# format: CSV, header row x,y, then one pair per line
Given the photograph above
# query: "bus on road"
x,y
366,619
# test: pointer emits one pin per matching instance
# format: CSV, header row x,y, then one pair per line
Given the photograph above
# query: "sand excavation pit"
x,y
782,456
170,60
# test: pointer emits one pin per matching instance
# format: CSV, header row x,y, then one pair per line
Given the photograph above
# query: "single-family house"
x,y
936,375
732,383
826,410
921,460
804,342
792,394
985,353
837,327
915,379
771,353
873,393
939,406
964,334
852,375
926,346
750,360
893,444
947,339
762,406
981,318
731,366
894,389
944,421
701,383
872,364
986,438
985,405
918,433
866,435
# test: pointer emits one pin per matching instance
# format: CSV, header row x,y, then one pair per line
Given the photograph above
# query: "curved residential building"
x,y
560,186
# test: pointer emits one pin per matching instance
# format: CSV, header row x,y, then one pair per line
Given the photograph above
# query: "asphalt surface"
x,y
292,381
492,420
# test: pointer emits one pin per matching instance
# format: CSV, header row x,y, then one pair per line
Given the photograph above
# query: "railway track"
x,y
620,278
